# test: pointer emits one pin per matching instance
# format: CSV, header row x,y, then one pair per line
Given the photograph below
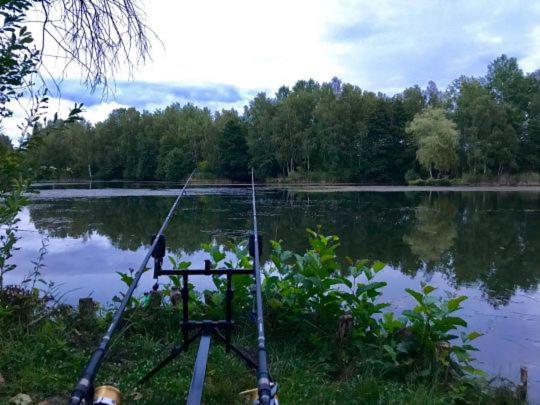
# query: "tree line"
x,y
486,125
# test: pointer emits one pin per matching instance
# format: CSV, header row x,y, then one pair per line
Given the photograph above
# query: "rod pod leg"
x,y
199,372
174,353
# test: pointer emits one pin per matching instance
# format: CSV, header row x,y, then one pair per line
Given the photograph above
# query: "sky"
x,y
220,54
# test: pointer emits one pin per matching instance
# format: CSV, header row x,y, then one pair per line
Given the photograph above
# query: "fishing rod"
x,y
85,382
265,391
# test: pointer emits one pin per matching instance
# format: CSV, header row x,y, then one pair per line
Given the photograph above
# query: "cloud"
x,y
141,94
99,112
531,61
219,54
389,44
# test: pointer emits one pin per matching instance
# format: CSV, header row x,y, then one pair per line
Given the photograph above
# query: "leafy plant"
x,y
10,206
423,337
314,287
234,256
128,279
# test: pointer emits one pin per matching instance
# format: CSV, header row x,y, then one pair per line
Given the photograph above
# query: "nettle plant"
x,y
315,288
231,256
424,336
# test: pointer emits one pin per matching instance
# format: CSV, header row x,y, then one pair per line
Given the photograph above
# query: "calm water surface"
x,y
482,244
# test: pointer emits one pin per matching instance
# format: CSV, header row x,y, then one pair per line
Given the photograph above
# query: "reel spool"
x,y
252,396
107,395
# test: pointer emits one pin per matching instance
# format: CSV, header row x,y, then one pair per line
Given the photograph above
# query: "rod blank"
x,y
263,376
89,373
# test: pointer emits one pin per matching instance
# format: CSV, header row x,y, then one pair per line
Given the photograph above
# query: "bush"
x,y
529,178
525,179
431,182
411,175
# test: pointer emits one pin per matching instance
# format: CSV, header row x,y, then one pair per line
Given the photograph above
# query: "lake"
x,y
483,244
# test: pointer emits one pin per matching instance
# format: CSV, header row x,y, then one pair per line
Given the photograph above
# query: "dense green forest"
x,y
487,126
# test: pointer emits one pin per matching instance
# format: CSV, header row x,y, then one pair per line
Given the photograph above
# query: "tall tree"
x,y
433,96
437,140
259,116
233,161
530,145
489,138
508,83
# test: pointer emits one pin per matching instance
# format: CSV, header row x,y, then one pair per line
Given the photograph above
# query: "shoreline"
x,y
64,191
382,189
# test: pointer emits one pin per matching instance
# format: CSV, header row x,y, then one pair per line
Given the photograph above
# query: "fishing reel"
x,y
252,395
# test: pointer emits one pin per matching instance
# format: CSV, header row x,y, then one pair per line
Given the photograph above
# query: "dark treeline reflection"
x,y
490,239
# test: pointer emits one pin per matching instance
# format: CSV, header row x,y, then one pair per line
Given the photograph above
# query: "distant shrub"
x,y
526,179
301,176
411,175
529,178
431,182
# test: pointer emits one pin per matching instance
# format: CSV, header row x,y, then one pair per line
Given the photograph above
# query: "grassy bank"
x,y
326,344
44,361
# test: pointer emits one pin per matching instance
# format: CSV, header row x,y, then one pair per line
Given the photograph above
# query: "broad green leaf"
x,y
417,296
378,266
473,335
453,304
473,371
183,265
413,315
362,288
428,288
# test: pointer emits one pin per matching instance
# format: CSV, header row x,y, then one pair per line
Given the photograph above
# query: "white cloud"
x,y
260,45
99,112
488,39
531,62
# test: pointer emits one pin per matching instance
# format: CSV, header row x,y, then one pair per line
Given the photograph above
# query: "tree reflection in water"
x,y
488,239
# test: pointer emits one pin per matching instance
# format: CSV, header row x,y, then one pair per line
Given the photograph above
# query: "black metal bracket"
x,y
205,329
158,253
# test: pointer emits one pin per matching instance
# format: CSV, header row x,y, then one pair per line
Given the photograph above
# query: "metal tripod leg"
x,y
199,372
174,353
236,351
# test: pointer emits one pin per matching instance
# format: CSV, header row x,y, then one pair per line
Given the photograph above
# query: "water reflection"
x,y
486,239
434,231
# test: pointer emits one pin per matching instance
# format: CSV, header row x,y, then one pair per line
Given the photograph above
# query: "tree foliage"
x,y
232,146
437,140
319,131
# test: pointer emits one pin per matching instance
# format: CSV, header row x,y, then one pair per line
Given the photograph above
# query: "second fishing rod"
x,y
265,391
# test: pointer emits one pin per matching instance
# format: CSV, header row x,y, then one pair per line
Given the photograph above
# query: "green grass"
x,y
45,359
